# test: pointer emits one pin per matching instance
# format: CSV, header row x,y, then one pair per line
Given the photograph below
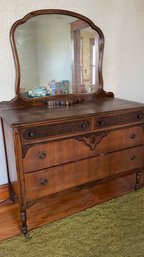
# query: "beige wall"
x,y
122,22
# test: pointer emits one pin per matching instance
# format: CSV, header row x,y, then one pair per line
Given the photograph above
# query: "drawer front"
x,y
40,156
59,178
120,119
55,129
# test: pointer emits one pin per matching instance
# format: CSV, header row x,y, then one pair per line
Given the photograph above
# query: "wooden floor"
x,y
9,220
64,204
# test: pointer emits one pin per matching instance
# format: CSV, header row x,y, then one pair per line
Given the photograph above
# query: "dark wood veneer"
x,y
119,119
56,129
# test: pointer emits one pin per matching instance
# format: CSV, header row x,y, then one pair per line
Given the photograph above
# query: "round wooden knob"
x,y
133,136
133,157
84,125
43,181
41,155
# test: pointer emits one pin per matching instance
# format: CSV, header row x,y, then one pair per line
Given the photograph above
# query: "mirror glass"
x,y
58,54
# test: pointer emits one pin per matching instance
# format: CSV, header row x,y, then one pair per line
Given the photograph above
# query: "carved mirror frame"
x,y
77,97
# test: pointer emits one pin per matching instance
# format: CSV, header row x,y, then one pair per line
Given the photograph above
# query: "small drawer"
x,y
120,119
49,181
55,129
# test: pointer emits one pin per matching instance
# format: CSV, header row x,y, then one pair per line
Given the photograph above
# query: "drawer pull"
x,y
84,125
133,136
101,123
139,116
133,157
31,134
43,181
41,155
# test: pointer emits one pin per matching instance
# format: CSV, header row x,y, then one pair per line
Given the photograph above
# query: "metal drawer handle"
x,y
41,155
133,157
43,181
133,136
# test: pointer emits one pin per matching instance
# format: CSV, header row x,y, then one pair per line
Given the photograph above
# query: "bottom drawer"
x,y
52,180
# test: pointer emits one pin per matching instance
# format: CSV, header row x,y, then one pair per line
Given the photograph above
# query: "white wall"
x,y
122,22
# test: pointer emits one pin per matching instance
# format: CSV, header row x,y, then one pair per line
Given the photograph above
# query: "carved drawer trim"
x,y
56,129
91,140
120,119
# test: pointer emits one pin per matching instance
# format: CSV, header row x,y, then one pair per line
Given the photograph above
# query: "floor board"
x,y
9,220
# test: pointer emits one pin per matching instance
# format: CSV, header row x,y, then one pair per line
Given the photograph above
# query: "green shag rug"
x,y
112,229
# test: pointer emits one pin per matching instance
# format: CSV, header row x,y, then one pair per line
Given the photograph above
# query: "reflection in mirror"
x,y
58,54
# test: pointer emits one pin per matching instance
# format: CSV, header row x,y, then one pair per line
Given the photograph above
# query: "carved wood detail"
x,y
119,119
138,179
18,102
25,148
56,129
91,140
101,93
24,225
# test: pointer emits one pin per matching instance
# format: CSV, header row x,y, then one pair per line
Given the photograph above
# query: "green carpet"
x,y
112,229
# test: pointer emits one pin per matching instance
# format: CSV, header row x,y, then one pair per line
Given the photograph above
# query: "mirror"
x,y
56,54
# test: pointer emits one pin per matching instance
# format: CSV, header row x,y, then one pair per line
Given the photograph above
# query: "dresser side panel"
x,y
11,158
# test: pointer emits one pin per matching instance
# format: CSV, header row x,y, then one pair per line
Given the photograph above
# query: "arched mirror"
x,y
56,53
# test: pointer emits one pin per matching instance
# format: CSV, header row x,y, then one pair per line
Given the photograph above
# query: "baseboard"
x,y
4,192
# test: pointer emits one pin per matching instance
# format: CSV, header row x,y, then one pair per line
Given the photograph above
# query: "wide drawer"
x,y
119,119
45,182
55,129
40,156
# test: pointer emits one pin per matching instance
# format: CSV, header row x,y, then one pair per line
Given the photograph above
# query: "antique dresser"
x,y
64,135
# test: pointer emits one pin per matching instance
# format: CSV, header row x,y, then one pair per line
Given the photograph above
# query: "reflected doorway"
x,y
85,50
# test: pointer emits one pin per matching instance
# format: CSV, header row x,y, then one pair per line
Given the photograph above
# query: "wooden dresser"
x,y
54,150
67,141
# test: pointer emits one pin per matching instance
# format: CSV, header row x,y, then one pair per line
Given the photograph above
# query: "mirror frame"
x,y
99,93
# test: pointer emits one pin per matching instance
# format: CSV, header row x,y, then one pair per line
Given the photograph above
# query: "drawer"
x,y
55,129
119,119
49,181
40,156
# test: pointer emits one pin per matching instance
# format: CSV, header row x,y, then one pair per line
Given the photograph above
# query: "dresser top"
x,y
27,115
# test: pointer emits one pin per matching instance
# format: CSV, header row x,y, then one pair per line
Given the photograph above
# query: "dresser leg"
x,y
11,193
24,225
138,178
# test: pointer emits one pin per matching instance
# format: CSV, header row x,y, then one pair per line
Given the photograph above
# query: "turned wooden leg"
x,y
138,178
24,225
